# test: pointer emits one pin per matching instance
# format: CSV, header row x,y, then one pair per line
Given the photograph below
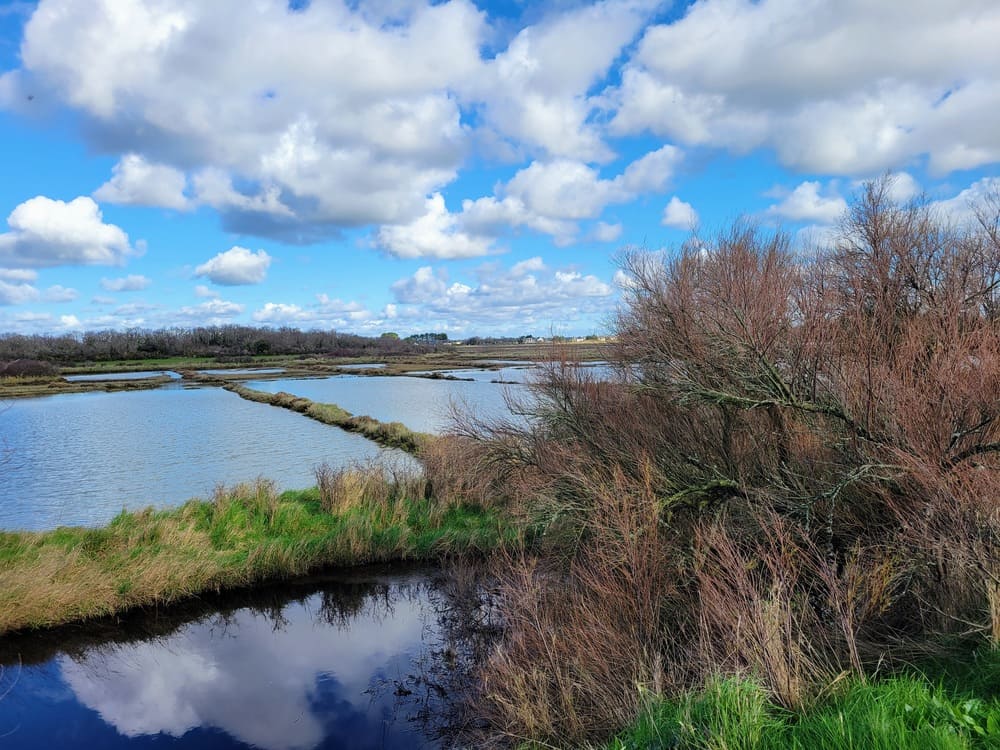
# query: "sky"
x,y
472,168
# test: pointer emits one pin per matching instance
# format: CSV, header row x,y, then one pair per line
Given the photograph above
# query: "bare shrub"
x,y
796,474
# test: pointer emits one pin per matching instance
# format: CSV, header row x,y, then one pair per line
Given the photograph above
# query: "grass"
x,y
908,712
391,434
244,535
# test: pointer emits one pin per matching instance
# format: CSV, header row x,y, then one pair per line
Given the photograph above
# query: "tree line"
x,y
230,341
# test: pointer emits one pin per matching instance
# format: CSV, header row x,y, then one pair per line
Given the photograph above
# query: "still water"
x,y
121,376
363,660
78,459
419,403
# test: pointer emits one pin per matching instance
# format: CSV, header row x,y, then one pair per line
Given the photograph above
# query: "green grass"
x,y
244,535
908,712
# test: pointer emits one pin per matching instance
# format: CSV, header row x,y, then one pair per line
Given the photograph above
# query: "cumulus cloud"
x,y
326,312
604,232
138,182
18,274
236,266
435,234
45,232
822,84
130,283
962,207
17,293
535,91
679,215
805,203
205,291
904,187
551,197
336,116
211,312
529,293
59,293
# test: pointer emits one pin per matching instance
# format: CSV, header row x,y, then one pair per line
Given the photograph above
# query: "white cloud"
x,y
961,208
822,83
277,312
17,293
904,187
424,285
805,203
136,181
333,117
236,266
679,215
550,197
535,91
604,232
70,321
433,235
527,294
326,312
45,232
18,274
205,291
210,312
60,293
130,283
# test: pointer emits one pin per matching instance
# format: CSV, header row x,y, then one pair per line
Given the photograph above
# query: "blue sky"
x,y
464,167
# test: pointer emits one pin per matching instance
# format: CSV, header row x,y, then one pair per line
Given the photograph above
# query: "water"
x,y
419,403
520,375
353,661
78,459
122,376
362,366
245,371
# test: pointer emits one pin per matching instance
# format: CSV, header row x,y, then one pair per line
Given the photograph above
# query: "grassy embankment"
x,y
244,535
390,434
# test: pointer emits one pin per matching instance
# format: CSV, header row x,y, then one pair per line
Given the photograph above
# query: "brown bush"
x,y
796,473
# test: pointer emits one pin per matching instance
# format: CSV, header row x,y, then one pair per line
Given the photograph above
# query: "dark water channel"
x,y
370,659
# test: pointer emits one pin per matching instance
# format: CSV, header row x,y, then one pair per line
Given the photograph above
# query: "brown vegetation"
x,y
798,475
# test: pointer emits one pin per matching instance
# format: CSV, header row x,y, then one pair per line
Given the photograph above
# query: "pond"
x,y
420,403
78,459
370,659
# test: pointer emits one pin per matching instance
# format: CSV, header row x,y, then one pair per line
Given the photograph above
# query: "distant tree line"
x,y
230,341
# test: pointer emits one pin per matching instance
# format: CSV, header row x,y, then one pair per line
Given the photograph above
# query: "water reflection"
x,y
339,664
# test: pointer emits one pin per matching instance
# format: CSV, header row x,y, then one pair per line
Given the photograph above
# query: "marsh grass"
x,y
244,535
